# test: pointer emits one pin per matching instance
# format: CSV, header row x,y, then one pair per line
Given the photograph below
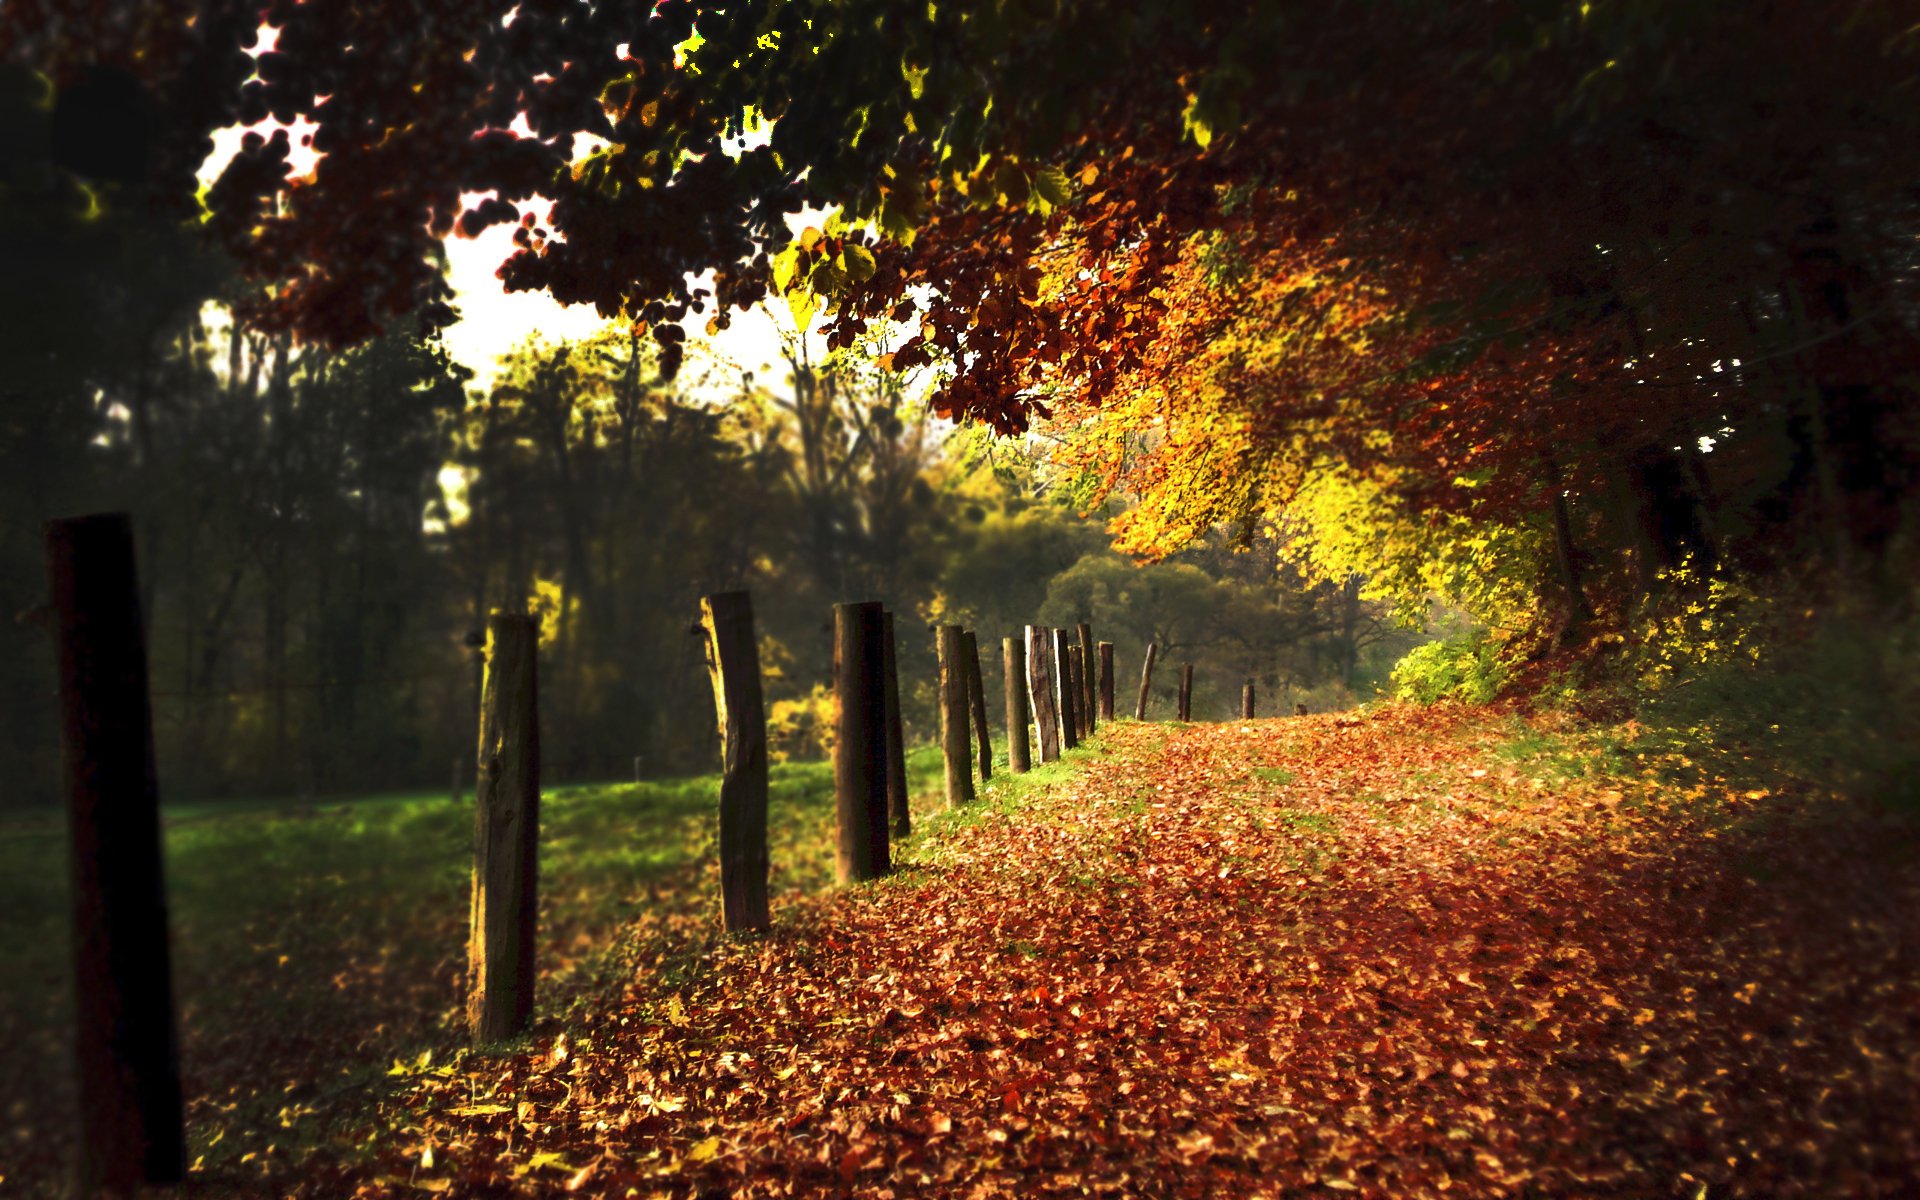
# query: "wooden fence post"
x,y
733,664
1146,681
1186,692
131,1130
506,834
860,740
1246,701
898,805
1106,681
1089,668
954,717
1014,663
1046,718
1063,686
1077,673
977,705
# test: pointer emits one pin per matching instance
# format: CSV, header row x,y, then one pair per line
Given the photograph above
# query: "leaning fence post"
x,y
1186,692
1146,681
1089,699
733,664
1069,704
953,716
1046,718
506,834
1246,701
1106,681
977,705
898,803
860,740
129,1057
1014,664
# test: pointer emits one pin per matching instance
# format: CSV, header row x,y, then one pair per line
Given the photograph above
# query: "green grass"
x,y
335,932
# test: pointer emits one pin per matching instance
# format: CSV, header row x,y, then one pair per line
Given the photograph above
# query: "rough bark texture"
x,y
733,664
977,706
1106,681
1186,692
1046,717
1089,700
898,808
953,716
1146,681
1246,700
129,1061
1013,658
1064,685
506,834
860,740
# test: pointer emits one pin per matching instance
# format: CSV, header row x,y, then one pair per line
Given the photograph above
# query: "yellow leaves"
x,y
704,1150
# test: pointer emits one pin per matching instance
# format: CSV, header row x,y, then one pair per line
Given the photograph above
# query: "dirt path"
x,y
1274,958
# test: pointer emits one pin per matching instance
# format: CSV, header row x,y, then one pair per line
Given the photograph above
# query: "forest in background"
x,y
319,531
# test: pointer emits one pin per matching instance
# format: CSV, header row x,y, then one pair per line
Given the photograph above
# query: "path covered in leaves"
x,y
1361,956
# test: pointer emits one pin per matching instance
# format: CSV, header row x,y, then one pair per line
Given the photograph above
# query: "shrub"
x,y
1465,667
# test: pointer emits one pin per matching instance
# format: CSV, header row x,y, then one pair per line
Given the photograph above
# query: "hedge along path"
x,y
1266,958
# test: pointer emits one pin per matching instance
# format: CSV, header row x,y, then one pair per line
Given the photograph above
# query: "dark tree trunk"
x,y
131,1129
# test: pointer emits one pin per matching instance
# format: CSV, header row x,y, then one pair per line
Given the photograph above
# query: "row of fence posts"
x,y
1059,686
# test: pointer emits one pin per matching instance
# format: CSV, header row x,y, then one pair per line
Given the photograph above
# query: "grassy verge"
x,y
317,946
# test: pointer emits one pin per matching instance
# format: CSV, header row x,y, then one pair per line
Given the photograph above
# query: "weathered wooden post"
x,y
1186,693
860,740
1046,718
1246,701
1089,699
1078,672
733,664
898,805
1063,667
977,705
1106,681
1146,681
506,834
1300,710
1014,662
953,716
131,1129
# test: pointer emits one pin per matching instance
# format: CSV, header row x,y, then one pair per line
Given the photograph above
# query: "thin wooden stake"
x,y
1040,689
1014,662
977,706
1186,692
1069,705
1146,681
1246,701
1089,699
953,716
733,664
1106,681
860,740
899,809
506,834
131,1130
